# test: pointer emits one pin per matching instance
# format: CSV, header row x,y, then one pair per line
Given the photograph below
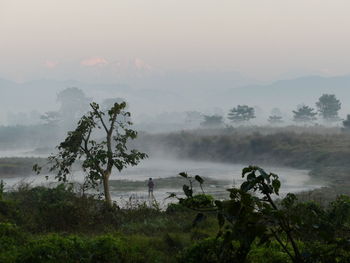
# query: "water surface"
x,y
224,175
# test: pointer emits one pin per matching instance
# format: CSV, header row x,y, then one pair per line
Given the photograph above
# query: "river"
x,y
133,179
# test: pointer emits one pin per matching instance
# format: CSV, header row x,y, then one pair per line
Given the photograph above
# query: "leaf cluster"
x,y
97,153
241,113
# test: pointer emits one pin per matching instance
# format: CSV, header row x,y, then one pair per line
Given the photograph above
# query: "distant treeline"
x,y
23,137
15,166
299,150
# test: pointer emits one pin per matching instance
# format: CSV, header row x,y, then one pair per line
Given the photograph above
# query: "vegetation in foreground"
x,y
59,225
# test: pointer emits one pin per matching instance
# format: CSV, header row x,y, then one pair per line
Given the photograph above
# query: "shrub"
x,y
106,249
11,238
58,209
176,208
55,248
9,212
209,250
271,253
199,200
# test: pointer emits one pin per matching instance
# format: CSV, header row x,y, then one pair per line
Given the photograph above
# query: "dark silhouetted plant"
x,y
98,155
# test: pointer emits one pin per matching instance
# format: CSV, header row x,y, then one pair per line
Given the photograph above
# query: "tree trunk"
x,y
106,189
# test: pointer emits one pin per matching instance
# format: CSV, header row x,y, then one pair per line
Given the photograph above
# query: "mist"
x,y
174,131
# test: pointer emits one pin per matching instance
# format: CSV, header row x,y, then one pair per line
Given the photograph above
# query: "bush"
x,y
176,208
106,249
11,238
54,248
58,209
209,250
199,200
9,212
271,253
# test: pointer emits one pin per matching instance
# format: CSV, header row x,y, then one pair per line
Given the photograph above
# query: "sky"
x,y
116,39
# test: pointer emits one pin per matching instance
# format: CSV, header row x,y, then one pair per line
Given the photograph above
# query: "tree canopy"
x,y
305,114
241,113
328,107
98,155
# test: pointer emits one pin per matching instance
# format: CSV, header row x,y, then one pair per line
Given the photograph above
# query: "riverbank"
x,y
325,153
131,183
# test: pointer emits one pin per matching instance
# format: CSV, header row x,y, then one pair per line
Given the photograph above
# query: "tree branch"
x,y
109,142
283,246
101,118
87,152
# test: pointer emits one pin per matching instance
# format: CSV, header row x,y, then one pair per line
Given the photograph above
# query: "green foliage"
x,y
245,218
244,228
11,237
241,113
56,248
209,250
320,252
304,114
255,226
98,156
328,107
267,253
193,200
106,249
176,208
198,200
42,209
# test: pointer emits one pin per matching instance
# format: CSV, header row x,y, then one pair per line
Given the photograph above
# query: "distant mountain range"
x,y
181,91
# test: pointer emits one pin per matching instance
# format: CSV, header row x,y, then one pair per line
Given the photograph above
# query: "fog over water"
x,y
226,175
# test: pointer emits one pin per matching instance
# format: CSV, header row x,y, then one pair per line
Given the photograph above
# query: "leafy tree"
x,y
109,102
242,113
212,121
328,107
304,114
98,155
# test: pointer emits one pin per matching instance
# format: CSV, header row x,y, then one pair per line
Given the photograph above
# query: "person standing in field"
x,y
150,188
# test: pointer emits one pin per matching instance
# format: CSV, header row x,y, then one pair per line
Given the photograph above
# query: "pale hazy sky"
x,y
263,39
